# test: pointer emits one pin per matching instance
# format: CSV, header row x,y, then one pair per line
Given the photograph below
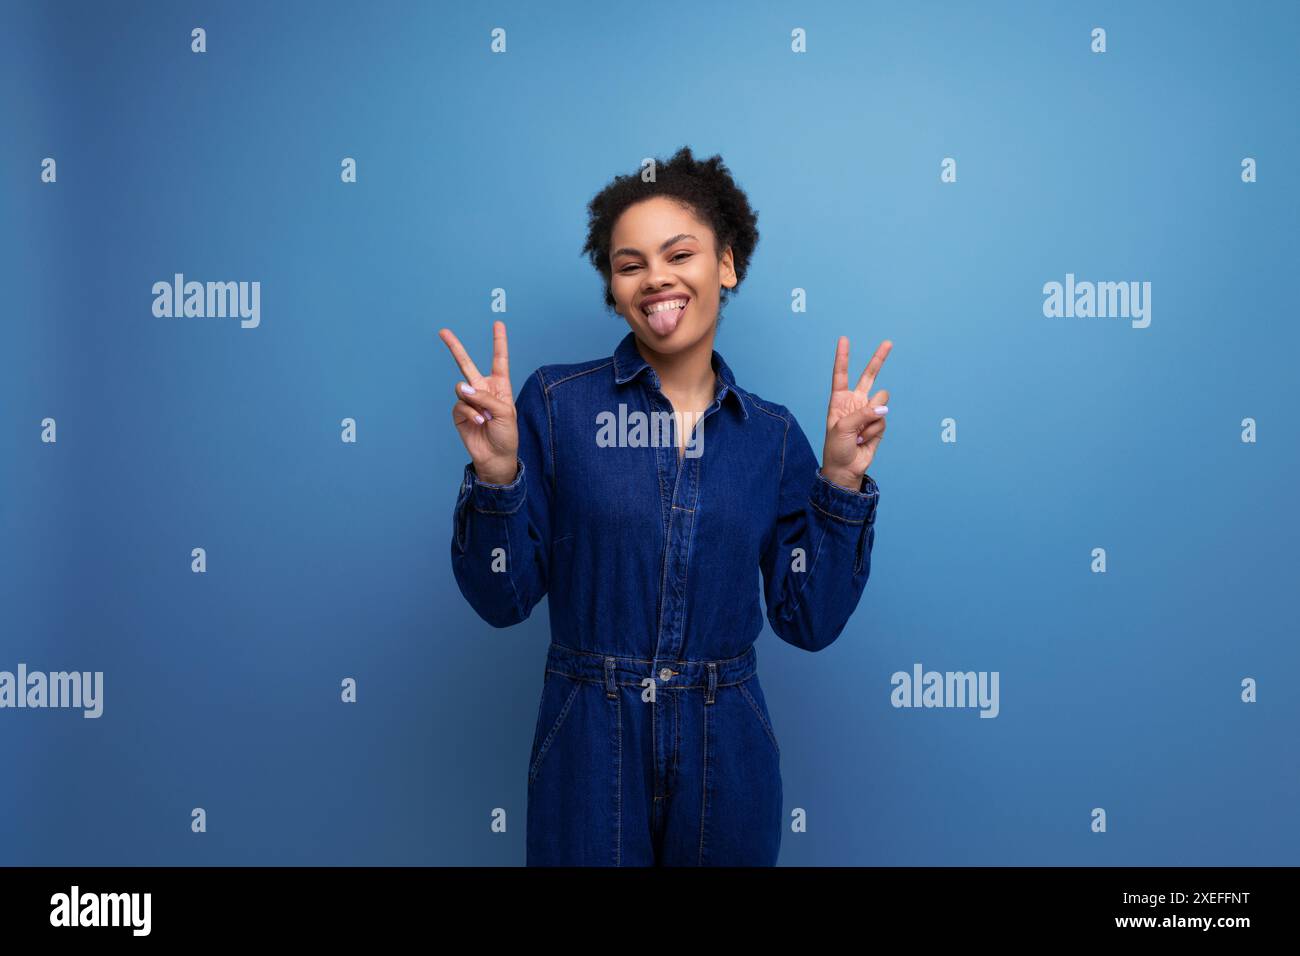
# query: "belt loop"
x,y
713,683
610,690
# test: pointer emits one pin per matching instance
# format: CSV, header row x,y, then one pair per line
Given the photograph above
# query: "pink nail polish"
x,y
478,418
487,414
881,409
468,390
861,439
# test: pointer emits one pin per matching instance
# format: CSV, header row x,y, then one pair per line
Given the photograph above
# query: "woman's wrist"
x,y
488,477
844,479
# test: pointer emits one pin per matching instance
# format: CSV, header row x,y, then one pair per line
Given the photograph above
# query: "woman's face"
x,y
660,252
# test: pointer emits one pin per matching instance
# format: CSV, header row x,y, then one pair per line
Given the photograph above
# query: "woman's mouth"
x,y
665,315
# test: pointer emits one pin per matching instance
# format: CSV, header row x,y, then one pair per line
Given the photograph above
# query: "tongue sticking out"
x,y
664,322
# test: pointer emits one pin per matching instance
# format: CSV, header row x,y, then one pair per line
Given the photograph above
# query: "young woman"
x,y
653,743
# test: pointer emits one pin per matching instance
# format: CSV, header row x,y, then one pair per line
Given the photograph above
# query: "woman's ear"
x,y
727,268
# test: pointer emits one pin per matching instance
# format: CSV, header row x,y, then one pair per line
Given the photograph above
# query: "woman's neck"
x,y
686,377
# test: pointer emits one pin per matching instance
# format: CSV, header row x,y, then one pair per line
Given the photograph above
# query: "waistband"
x,y
613,671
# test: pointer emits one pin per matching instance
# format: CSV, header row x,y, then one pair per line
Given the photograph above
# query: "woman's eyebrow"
x,y
629,251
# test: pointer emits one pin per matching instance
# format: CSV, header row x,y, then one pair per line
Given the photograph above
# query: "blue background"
x,y
327,560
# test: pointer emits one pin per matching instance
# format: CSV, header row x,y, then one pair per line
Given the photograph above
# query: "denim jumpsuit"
x,y
653,743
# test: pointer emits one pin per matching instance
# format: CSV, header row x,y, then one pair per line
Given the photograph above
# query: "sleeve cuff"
x,y
489,499
852,507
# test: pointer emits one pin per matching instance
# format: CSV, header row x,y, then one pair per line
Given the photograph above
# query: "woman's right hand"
x,y
486,419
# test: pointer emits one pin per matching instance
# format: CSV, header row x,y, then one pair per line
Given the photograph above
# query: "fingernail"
x,y
881,409
487,414
478,418
466,389
861,439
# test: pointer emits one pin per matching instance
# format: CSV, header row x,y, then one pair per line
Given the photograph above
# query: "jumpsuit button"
x,y
665,674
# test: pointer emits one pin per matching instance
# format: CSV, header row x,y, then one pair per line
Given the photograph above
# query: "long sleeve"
x,y
501,534
811,592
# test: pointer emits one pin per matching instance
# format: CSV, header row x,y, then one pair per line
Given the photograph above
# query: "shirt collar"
x,y
629,363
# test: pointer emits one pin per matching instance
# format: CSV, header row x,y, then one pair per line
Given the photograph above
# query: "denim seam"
x,y
537,731
663,577
495,485
677,735
618,798
654,739
771,735
839,518
704,794
659,472
771,414
666,522
781,474
550,737
797,597
637,683
745,397
579,374
459,528
493,511
860,552
550,418
510,570
780,482
690,543
785,440
550,423
646,660
860,495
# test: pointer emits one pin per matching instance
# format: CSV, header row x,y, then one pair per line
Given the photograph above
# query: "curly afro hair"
x,y
705,186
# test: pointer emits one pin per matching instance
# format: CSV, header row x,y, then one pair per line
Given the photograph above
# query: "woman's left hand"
x,y
855,419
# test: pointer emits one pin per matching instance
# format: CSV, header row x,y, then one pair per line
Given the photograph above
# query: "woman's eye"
x,y
673,259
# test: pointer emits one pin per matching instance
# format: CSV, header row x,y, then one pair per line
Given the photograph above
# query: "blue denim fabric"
x,y
653,744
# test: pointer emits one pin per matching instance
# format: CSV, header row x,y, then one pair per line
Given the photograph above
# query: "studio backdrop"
x,y
1075,221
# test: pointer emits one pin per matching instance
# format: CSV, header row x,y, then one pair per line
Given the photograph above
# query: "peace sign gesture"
x,y
855,419
485,414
